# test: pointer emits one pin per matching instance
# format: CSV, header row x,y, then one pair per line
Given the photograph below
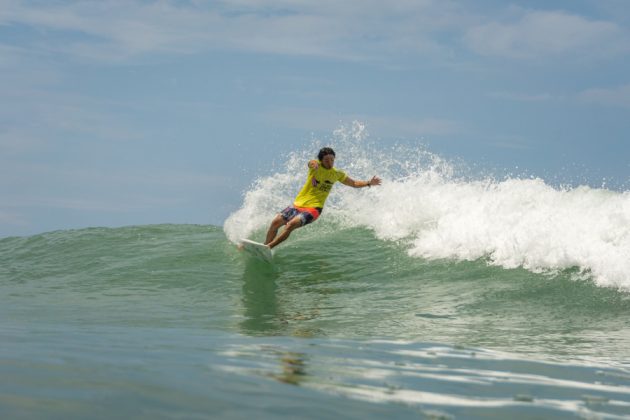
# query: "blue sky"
x,y
136,112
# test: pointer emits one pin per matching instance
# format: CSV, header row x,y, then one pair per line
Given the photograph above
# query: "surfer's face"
x,y
328,161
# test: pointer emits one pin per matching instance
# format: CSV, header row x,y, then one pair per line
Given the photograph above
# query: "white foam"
x,y
511,223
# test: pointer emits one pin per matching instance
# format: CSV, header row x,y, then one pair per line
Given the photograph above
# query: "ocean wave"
x,y
427,204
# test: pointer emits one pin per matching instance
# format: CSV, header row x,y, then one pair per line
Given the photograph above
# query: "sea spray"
x,y
438,211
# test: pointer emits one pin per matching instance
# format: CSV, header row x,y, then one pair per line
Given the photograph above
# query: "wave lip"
x,y
515,223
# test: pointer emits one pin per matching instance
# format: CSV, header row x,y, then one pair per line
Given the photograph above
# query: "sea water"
x,y
436,295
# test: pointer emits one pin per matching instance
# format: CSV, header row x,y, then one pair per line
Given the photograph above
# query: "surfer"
x,y
309,203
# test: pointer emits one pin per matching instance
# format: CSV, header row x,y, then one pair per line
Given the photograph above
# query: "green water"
x,y
172,321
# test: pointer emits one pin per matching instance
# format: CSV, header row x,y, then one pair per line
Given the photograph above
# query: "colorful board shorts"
x,y
307,214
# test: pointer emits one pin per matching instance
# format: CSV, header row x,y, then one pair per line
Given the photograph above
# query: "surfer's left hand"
x,y
374,181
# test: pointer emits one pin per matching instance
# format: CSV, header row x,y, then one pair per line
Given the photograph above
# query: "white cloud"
x,y
523,97
543,33
508,142
381,125
12,219
48,186
12,173
618,96
121,204
33,117
422,126
353,30
369,30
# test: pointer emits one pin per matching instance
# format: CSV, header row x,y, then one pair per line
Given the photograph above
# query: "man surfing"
x,y
309,203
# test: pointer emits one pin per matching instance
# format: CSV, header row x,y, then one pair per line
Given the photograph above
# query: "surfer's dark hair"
x,y
325,151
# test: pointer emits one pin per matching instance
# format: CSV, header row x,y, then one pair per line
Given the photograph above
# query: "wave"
x,y
192,276
437,210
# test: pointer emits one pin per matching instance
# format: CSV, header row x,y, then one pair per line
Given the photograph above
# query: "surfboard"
x,y
256,249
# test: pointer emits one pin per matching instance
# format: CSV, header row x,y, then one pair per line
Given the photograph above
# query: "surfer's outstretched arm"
x,y
360,184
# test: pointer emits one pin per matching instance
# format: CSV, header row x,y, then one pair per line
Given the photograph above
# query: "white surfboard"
x,y
257,250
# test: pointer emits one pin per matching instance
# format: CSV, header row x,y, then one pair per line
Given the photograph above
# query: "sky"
x,y
135,112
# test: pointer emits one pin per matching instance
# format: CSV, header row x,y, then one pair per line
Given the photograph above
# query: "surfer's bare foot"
x,y
240,247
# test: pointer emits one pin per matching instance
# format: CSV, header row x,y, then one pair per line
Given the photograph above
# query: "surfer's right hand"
x,y
313,164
